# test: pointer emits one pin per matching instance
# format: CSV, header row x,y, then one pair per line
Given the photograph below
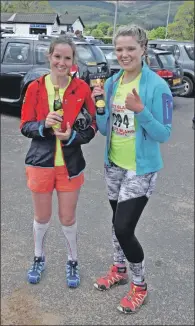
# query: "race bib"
x,y
123,121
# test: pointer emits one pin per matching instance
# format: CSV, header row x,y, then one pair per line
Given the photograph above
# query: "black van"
x,y
24,59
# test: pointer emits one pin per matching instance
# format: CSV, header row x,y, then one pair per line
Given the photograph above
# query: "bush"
x,y
106,40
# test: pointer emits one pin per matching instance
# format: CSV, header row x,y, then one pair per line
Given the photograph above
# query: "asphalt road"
x,y
165,231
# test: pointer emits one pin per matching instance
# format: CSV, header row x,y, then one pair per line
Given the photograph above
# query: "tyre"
x,y
188,87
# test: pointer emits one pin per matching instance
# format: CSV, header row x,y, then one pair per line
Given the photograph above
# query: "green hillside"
x,y
149,14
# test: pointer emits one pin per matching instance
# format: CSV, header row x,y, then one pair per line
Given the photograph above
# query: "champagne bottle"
x,y
99,101
57,105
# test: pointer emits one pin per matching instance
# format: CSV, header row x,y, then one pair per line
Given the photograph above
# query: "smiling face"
x,y
129,53
61,60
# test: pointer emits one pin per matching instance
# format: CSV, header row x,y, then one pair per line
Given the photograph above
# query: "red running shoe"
x,y
135,298
116,276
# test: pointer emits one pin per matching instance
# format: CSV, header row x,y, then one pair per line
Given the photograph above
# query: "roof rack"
x,y
8,35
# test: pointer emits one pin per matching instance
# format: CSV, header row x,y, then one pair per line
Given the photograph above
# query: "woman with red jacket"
x,y
55,159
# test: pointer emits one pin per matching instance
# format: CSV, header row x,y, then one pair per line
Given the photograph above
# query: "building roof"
x,y
68,19
5,16
37,18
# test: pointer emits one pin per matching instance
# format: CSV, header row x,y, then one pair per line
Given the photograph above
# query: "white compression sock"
x,y
39,230
70,233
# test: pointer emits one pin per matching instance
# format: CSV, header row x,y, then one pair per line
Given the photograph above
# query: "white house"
x,y
71,23
37,23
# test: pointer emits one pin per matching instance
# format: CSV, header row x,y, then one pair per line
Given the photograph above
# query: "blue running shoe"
x,y
34,273
72,274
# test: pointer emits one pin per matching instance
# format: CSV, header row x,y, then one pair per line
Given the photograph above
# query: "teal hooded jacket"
x,y
152,124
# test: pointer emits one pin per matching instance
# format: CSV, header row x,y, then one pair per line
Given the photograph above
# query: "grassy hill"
x,y
149,14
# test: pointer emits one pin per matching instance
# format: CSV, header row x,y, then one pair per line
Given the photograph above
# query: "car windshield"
x,y
190,51
167,60
89,55
111,57
106,50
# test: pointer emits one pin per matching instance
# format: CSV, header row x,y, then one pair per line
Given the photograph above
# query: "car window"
x,y
41,52
100,57
167,47
153,60
84,53
17,53
167,60
89,55
106,51
2,48
190,51
112,59
176,52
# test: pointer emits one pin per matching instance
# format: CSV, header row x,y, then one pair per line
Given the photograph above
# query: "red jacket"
x,y
34,112
36,106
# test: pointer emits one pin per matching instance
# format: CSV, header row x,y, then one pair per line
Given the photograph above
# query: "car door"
x,y
16,61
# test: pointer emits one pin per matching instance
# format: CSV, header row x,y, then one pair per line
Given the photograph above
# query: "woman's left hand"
x,y
133,102
63,135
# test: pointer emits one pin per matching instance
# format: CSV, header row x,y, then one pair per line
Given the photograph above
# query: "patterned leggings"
x,y
128,194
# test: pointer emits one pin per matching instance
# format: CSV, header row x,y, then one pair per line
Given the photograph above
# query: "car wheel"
x,y
188,86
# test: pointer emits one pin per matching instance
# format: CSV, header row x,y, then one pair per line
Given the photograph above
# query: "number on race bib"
x,y
114,119
126,121
119,119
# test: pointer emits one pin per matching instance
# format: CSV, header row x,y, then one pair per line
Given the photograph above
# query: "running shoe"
x,y
34,273
115,276
72,274
134,299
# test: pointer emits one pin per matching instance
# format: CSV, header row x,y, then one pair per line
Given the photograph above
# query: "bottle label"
x,y
100,104
60,112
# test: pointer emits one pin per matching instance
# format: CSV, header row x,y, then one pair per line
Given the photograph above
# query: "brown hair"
x,y
137,32
63,40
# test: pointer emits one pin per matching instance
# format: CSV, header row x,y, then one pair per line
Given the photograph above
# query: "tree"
x,y
97,33
110,31
26,7
158,32
183,24
104,27
7,6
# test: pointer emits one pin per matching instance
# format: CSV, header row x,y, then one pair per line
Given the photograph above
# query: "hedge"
x,y
106,40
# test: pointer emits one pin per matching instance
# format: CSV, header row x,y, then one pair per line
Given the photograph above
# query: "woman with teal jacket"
x,y
137,118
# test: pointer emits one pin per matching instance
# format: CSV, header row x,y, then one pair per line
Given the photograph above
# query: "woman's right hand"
x,y
97,91
52,119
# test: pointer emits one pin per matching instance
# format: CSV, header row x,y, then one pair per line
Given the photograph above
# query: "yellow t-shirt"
x,y
59,160
122,150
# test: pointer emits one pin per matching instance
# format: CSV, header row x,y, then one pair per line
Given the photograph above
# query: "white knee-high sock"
x,y
39,230
70,233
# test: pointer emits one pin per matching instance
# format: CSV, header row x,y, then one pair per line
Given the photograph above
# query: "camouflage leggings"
x,y
128,194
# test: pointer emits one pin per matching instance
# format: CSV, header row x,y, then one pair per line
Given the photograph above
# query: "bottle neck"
x,y
56,95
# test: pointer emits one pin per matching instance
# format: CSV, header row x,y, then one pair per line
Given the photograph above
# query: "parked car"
x,y
24,59
184,54
161,61
96,41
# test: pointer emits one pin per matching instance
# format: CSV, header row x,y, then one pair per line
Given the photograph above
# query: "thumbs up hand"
x,y
133,102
